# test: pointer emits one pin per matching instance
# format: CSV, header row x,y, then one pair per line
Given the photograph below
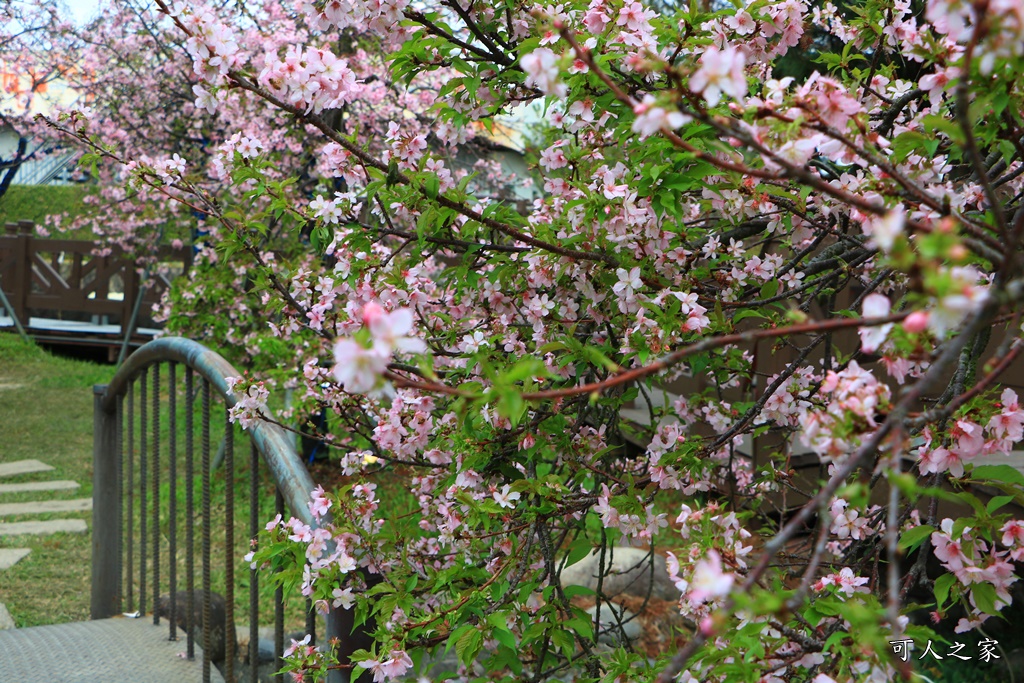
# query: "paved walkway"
x,y
101,651
11,556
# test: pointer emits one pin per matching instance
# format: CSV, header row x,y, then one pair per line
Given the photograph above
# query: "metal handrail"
x,y
289,472
271,444
42,171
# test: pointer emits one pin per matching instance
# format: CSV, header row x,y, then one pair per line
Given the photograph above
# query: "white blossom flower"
x,y
505,498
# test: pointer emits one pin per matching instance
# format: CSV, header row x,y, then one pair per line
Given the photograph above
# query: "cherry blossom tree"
x,y
815,260
130,72
32,35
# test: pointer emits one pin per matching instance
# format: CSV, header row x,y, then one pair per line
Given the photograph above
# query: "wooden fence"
x,y
65,279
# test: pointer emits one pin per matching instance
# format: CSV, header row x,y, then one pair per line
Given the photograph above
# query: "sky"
x,y
83,10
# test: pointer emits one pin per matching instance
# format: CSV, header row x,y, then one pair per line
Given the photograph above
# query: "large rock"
x,y
627,571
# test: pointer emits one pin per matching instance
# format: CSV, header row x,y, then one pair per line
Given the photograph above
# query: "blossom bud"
x,y
916,322
372,312
958,253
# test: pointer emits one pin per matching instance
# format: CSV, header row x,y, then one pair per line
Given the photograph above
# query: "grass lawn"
x,y
36,202
46,414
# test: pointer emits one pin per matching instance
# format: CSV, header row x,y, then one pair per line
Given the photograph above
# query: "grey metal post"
x,y
338,629
10,311
106,560
340,625
129,329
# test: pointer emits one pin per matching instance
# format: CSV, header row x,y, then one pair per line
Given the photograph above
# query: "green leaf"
x,y
699,362
432,186
984,595
942,586
596,357
997,502
393,173
513,660
499,620
1001,473
573,591
565,642
583,627
828,606
813,616
553,346
510,404
915,537
580,548
747,313
951,129
904,144
468,645
457,635
505,638
999,101
525,369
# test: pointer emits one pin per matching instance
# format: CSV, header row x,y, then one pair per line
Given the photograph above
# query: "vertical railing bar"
x,y
172,530
206,594
278,596
190,607
130,525
254,587
143,483
120,491
104,598
155,467
229,545
310,621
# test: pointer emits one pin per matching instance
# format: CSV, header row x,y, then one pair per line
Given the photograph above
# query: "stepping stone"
x,y
53,526
28,486
38,507
10,556
10,469
6,620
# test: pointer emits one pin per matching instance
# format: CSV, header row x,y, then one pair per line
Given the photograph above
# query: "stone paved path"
x,y
38,507
10,469
52,526
11,556
28,486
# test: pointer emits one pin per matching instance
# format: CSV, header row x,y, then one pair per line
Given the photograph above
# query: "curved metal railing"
x,y
140,469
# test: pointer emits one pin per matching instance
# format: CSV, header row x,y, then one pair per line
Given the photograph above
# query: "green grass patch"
x,y
46,414
36,202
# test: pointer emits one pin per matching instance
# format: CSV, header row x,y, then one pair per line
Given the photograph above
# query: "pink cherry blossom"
x,y
886,229
720,73
875,306
651,118
320,503
541,67
357,368
709,580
